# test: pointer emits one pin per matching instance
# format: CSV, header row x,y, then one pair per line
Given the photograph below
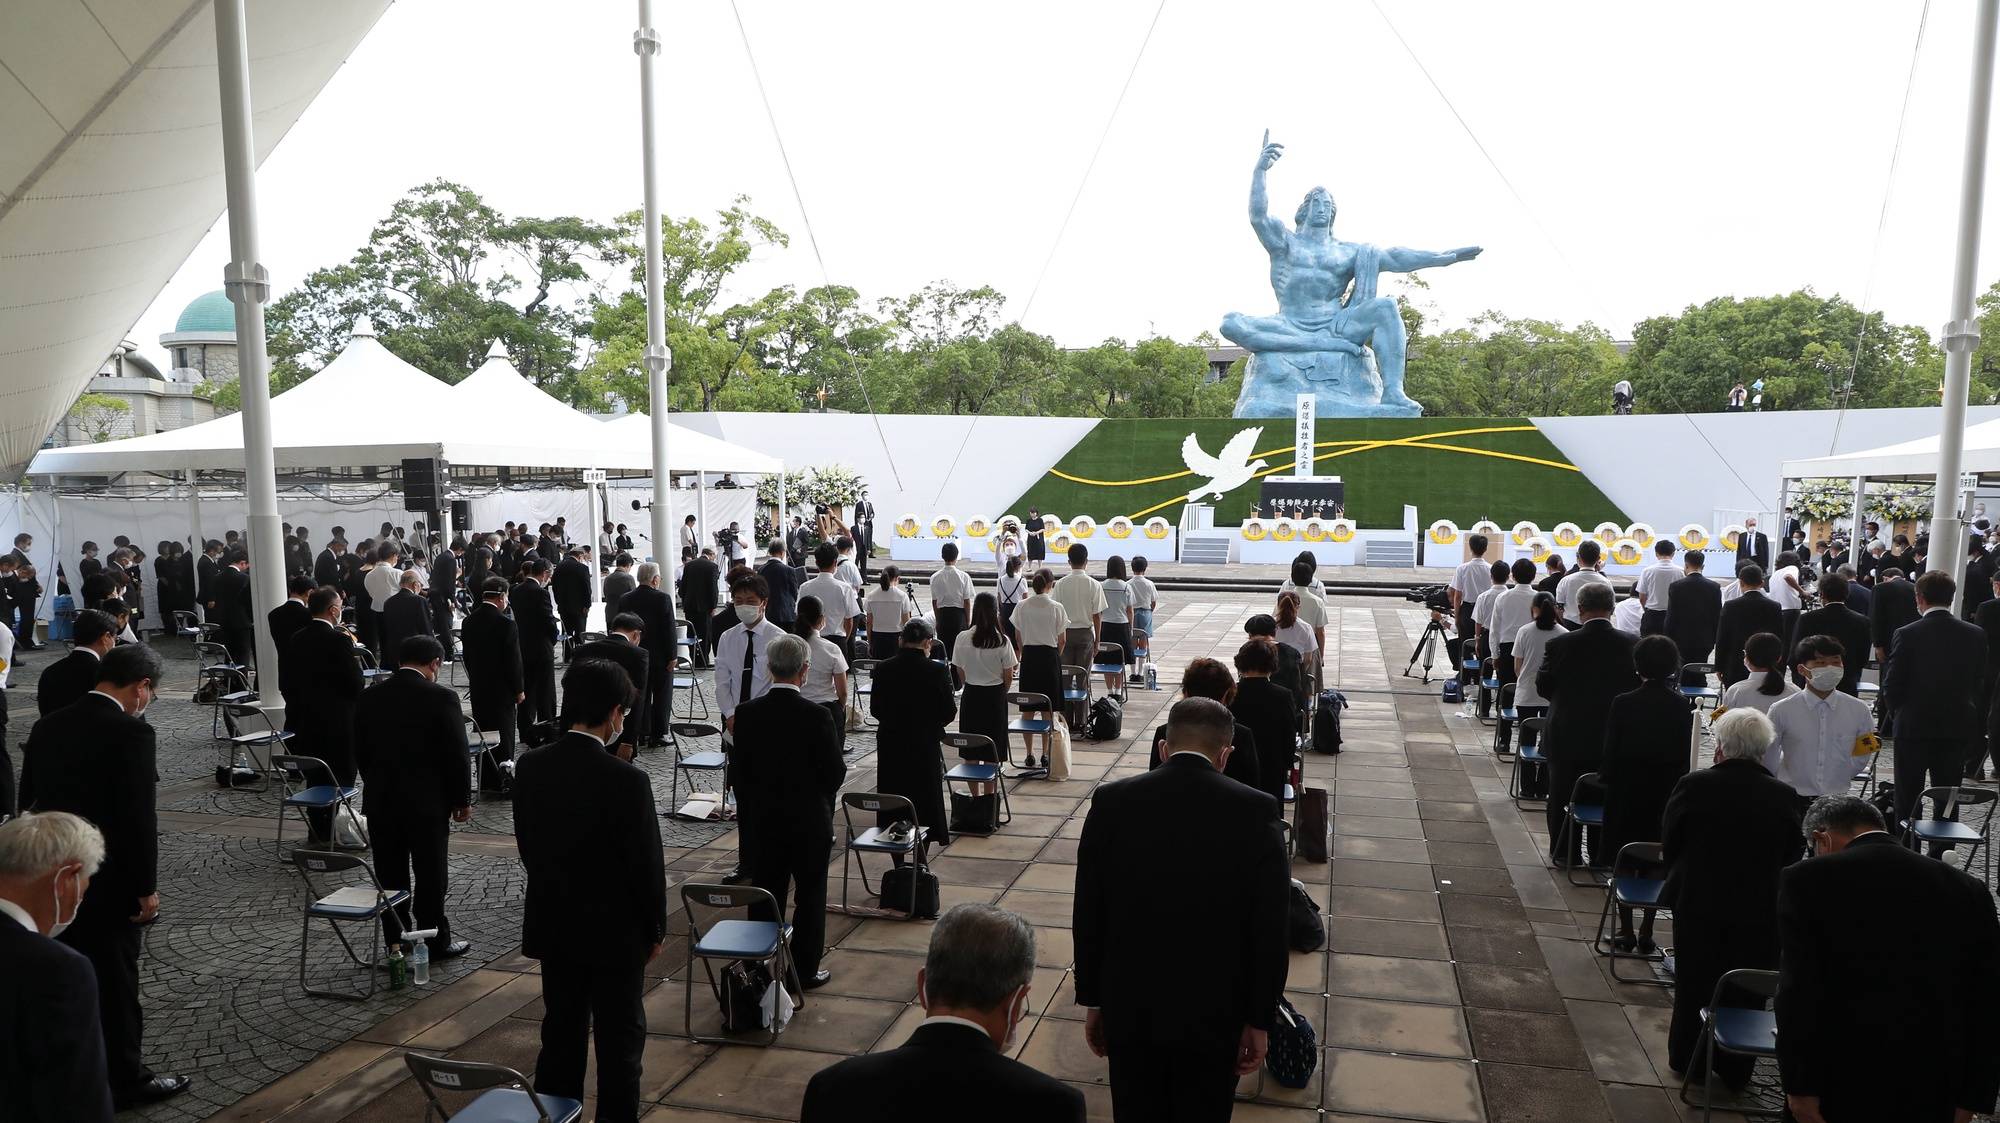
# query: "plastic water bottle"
x,y
420,964
1152,676
399,968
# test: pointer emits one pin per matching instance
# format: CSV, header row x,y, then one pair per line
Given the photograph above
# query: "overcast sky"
x,y
1663,154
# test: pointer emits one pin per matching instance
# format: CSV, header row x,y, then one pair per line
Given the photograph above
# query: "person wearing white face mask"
x,y
95,758
52,1059
974,988
1819,747
743,672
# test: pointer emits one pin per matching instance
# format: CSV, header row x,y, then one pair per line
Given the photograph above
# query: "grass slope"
x,y
1457,485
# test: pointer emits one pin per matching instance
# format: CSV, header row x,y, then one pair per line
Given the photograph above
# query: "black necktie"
x,y
749,660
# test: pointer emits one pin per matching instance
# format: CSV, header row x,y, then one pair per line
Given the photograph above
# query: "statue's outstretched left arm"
x,y
1401,259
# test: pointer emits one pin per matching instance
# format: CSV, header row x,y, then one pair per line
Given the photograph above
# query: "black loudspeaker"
x,y
461,517
425,480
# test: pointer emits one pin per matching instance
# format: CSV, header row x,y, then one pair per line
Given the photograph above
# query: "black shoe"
x,y
451,950
1624,943
736,878
151,1092
817,979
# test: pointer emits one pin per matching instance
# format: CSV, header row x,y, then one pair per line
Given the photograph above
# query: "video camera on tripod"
x,y
1437,598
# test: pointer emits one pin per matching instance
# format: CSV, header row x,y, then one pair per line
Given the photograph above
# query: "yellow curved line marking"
x,y
1414,437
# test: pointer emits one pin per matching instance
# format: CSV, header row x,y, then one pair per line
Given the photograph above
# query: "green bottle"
x,y
399,968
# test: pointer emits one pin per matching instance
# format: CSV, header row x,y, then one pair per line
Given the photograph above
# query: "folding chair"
x,y
708,760
979,763
1075,696
683,635
189,627
505,1096
1700,693
351,904
1489,689
1637,876
1503,725
480,756
1947,827
1576,817
871,840
371,671
1746,1031
241,759
862,675
759,941
318,791
1109,660
226,681
1031,727
1528,759
684,683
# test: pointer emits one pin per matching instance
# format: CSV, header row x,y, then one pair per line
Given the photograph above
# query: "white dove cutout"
x,y
1227,471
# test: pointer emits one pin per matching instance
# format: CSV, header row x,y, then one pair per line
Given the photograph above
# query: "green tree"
x,y
1497,366
97,416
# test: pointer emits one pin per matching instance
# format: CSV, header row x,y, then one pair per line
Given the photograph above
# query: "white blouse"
x,y
982,666
1117,601
1041,621
824,663
886,609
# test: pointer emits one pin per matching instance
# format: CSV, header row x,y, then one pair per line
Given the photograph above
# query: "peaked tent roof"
x,y
1906,459
497,390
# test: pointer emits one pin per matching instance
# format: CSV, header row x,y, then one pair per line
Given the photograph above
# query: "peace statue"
x,y
1328,312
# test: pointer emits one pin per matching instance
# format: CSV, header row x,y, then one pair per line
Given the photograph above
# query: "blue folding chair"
x,y
755,941
708,760
1701,694
352,904
1576,817
1503,725
1947,827
874,841
861,673
505,1096
1637,876
1528,761
1747,1031
978,763
318,790
1030,727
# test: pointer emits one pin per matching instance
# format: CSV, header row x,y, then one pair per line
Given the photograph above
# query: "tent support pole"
x,y
249,286
646,42
779,526
195,539
1961,332
701,522
1857,541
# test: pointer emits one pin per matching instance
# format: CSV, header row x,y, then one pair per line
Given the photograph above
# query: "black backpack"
x,y
1107,717
1326,721
1308,931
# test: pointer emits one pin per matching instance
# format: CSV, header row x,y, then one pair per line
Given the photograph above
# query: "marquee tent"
x,y
1908,460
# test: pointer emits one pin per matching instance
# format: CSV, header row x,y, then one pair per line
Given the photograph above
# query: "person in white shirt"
x,y
951,597
1117,624
383,581
741,672
1589,556
986,661
1471,579
1043,626
1652,588
1768,684
1294,632
1145,601
1784,587
1012,589
1819,728
836,599
1482,610
1529,643
1626,617
1312,605
1083,601
888,610
826,664
1514,607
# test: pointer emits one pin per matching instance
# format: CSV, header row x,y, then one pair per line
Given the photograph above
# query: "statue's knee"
x,y
1232,324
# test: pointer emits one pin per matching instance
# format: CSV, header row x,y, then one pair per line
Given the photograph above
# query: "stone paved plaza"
x,y
1458,984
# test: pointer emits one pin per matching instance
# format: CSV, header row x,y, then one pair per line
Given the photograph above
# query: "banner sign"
x,y
1291,498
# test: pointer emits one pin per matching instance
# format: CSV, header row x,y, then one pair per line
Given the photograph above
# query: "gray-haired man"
x,y
974,988
51,1042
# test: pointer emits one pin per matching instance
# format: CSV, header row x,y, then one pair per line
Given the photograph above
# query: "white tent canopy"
x,y
368,408
1916,459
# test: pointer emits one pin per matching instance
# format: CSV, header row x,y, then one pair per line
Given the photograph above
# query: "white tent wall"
x,y
493,511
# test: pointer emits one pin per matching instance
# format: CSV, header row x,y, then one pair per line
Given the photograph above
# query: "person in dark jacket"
x,y
495,681
535,616
405,615
571,585
443,594
1893,604
1934,669
913,702
1834,618
596,909
1581,673
1267,709
1889,971
623,647
292,615
699,580
1208,678
232,605
974,988
327,567
1726,835
655,610
1645,755
71,677
1694,610
1746,616
784,582
320,679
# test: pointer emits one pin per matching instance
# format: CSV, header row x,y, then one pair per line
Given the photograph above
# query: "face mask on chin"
x,y
1825,679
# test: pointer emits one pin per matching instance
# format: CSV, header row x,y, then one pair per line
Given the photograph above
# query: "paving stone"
x,y
1406,1087
1517,1094
1381,875
1396,1027
1393,977
1508,988
1520,1037
1387,937
1378,849
769,1082
1378,826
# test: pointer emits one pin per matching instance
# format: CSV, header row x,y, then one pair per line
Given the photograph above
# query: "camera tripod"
x,y
1427,645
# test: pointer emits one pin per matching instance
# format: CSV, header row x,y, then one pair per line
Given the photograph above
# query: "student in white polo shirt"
x,y
1652,588
1082,600
836,598
951,597
1589,559
1819,729
1472,578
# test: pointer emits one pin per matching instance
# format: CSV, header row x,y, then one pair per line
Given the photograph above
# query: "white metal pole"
x,y
1855,539
249,286
701,533
646,41
1961,332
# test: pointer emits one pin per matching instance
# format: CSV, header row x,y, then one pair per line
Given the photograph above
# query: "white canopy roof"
x,y
1918,458
111,169
369,408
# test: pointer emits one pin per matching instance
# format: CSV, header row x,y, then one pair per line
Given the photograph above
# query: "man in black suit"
x,y
71,677
1753,546
1582,671
1727,833
1750,613
1867,1033
51,1043
1978,583
291,615
1834,618
326,567
493,673
974,988
320,679
572,589
535,616
404,615
1892,604
655,610
1934,670
622,646
95,758
698,583
1694,610
1181,1020
206,568
784,582
795,543
409,739
443,593
231,590
786,767
596,911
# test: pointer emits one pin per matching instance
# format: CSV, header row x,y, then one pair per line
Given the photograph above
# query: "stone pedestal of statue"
x,y
1345,385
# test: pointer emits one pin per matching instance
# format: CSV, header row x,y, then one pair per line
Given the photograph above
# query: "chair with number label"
x,y
755,941
876,840
505,1096
978,764
360,903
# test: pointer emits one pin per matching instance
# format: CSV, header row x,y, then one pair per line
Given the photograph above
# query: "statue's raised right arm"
x,y
1270,230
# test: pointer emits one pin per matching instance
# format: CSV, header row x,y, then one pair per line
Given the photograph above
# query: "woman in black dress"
x,y
913,703
1038,544
1645,755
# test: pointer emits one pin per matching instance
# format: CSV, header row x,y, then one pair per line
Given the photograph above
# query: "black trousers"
x,y
441,624
538,682
1151,1083
242,645
1653,622
659,695
1942,759
792,858
589,993
1562,780
703,647
839,712
402,845
572,625
950,622
1457,644
112,946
